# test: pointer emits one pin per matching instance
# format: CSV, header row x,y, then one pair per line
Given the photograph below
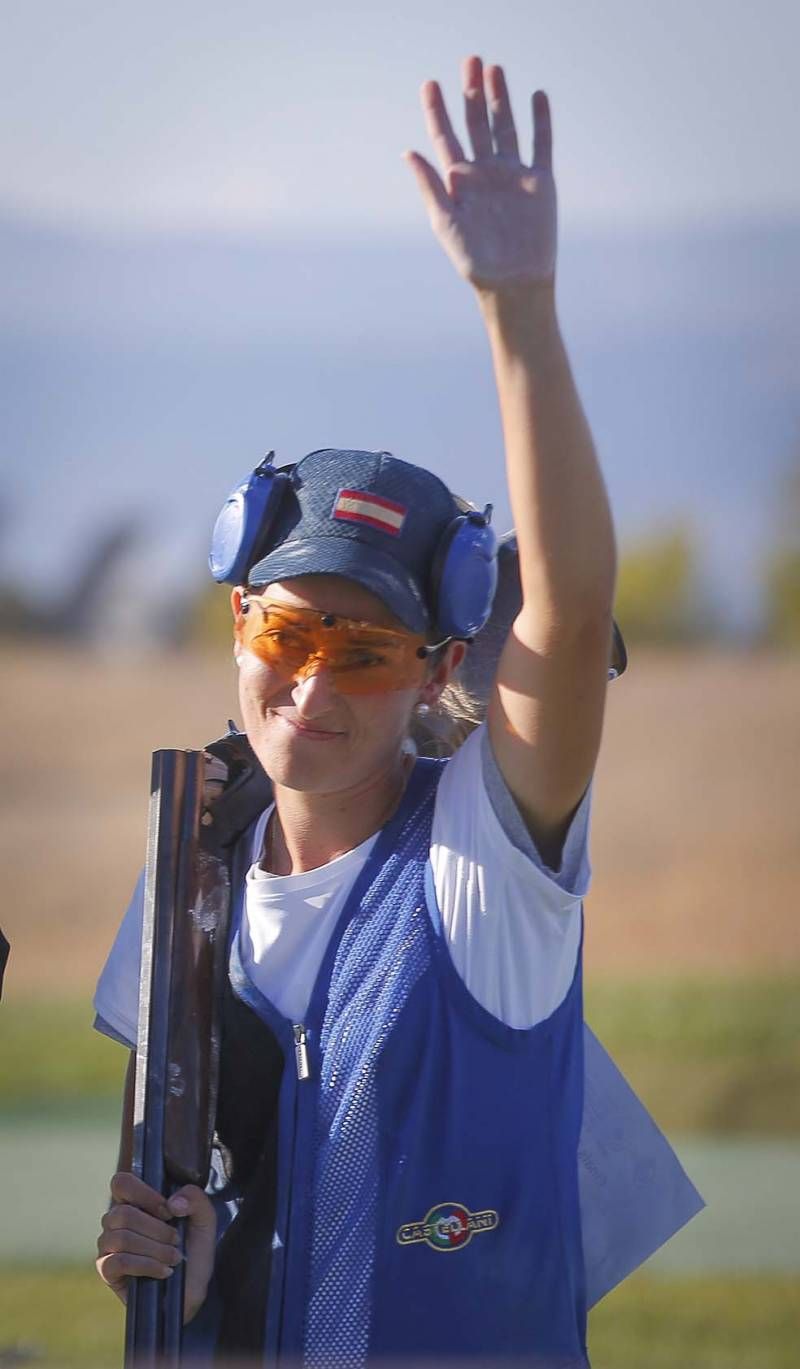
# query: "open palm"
x,y
495,216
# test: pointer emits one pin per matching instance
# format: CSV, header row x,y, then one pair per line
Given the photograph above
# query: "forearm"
x,y
558,498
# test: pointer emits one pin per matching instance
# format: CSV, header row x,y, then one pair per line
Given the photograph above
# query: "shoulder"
x,y
476,816
512,926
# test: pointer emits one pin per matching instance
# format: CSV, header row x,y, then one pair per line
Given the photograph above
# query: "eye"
x,y
362,659
283,636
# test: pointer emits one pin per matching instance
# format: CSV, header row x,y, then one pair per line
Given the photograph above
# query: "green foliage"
x,y
52,1059
657,597
209,621
16,615
697,1323
781,580
64,1316
698,1018
59,1315
708,1056
782,592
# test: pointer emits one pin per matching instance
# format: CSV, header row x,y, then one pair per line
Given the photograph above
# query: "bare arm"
x,y
496,218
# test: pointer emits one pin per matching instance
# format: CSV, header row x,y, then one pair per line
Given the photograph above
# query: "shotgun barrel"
x,y
184,933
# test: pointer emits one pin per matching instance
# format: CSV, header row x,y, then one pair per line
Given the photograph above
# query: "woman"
x,y
436,1104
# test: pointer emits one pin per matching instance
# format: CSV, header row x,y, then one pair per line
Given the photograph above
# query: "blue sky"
x,y
176,114
233,175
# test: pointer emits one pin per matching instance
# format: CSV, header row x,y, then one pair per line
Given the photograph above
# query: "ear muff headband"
x,y
462,582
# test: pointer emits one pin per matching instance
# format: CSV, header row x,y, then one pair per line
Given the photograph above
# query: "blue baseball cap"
x,y
367,516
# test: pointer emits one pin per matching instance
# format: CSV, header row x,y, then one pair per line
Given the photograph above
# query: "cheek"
x,y
258,684
388,715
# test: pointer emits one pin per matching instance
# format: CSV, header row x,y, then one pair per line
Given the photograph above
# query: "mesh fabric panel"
x,y
382,955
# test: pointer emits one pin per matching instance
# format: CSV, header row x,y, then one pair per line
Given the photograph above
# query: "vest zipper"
x,y
301,1052
298,1186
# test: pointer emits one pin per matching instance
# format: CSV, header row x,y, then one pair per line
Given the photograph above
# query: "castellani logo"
x,y
448,1226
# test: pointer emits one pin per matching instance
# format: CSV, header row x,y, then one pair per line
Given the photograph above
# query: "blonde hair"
x,y
440,731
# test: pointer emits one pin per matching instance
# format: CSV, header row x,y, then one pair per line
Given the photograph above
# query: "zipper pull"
x,y
301,1052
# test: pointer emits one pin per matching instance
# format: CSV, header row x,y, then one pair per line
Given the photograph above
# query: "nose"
x,y
314,694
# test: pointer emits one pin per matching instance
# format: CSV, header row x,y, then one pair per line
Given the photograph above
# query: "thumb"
x,y
193,1204
429,181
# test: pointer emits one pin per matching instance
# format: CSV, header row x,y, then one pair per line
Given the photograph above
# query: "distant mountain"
x,y
145,374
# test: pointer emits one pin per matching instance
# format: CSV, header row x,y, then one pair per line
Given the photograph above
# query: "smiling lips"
x,y
309,733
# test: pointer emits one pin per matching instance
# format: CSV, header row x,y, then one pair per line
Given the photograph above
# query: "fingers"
x,y
440,130
138,1240
127,1188
430,183
503,130
116,1269
485,97
124,1241
542,133
125,1217
475,108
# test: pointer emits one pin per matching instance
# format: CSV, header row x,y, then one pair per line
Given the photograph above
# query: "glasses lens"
x,y
362,659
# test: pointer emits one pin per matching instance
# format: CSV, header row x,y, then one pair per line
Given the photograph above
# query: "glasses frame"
x,y
399,640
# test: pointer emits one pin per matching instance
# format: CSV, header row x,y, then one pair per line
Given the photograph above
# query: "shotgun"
x,y
184,944
186,906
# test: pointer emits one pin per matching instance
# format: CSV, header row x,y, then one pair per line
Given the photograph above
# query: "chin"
x,y
305,766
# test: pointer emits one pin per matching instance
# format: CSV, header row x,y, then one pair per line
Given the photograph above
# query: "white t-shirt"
x,y
512,925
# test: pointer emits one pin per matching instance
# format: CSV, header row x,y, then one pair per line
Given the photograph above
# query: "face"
x,y
305,733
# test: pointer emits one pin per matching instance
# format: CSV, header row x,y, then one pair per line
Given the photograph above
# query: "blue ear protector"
x,y
464,575
244,521
462,581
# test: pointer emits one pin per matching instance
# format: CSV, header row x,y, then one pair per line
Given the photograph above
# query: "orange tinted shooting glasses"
x,y
362,657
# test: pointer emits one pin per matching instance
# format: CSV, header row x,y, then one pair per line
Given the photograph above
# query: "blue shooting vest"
x,y
427,1197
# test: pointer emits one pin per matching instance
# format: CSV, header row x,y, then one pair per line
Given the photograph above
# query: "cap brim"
x,y
359,561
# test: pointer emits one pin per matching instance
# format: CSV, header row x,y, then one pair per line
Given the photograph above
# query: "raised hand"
x,y
495,216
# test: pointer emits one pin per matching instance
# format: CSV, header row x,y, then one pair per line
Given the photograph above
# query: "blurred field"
x,y
718,1057
695,838
63,1318
693,947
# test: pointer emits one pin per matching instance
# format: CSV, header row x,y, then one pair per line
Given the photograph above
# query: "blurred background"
x,y
210,247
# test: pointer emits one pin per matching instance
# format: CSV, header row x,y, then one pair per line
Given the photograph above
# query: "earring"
x,y
422,710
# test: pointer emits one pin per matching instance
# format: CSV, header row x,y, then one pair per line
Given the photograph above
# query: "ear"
x,y
236,609
444,672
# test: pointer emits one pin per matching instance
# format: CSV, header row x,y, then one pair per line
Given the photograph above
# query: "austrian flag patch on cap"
x,y
358,506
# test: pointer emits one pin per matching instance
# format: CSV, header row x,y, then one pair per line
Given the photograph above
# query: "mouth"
x,y
307,732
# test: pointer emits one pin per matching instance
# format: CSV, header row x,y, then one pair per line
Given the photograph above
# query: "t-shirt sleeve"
x,y
116,999
512,925
574,873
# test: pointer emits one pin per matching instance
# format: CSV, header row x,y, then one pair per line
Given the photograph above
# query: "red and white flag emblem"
x,y
356,506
